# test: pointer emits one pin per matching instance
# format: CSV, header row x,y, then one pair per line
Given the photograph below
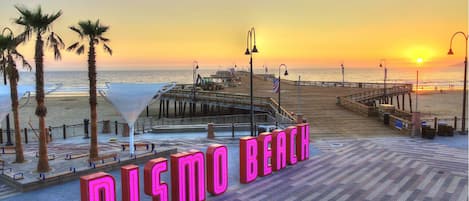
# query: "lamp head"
x,y
286,73
450,52
247,52
254,49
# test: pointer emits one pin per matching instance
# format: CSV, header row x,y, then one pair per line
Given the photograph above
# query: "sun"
x,y
419,60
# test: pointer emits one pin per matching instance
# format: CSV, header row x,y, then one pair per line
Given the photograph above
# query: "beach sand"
x,y
71,110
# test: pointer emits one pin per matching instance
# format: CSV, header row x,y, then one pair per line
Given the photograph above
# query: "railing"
x,y
143,124
357,107
403,125
369,85
267,103
356,102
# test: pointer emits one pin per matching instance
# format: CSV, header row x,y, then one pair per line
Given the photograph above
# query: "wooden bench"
x,y
71,170
71,156
102,159
14,175
136,145
8,150
49,156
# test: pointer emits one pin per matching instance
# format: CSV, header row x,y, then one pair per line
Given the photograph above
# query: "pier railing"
x,y
262,104
367,85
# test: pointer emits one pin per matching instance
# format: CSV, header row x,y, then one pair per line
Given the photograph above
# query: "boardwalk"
x,y
396,168
318,104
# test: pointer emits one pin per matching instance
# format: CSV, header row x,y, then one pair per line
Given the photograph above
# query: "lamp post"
x,y
250,49
195,67
419,64
280,89
464,102
343,74
382,64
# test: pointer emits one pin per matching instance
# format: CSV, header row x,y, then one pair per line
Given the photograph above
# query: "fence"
x,y
143,124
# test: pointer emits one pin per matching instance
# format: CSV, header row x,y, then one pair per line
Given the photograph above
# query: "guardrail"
x,y
269,104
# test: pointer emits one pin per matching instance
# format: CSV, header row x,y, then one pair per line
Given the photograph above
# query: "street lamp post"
x,y
195,67
419,64
343,74
251,48
280,89
382,64
464,102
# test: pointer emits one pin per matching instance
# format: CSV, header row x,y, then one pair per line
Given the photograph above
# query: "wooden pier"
x,y
318,102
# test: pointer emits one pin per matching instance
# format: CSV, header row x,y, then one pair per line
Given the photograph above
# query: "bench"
x,y
71,156
49,156
14,175
6,149
146,145
102,158
71,170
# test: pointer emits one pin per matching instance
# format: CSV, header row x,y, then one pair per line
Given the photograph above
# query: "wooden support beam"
x,y
410,102
159,114
403,102
398,106
167,108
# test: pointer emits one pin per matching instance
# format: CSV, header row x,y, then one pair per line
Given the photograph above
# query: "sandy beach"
x,y
73,109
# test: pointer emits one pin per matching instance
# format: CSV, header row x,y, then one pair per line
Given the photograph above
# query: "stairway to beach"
x,y
6,190
318,104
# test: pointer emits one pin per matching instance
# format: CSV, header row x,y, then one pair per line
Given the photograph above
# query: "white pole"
x,y
131,139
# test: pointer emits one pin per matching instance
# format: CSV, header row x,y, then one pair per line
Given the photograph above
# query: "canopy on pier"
x,y
130,99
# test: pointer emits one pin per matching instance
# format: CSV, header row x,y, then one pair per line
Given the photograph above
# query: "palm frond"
x,y
73,46
23,60
104,39
81,49
55,42
107,48
78,31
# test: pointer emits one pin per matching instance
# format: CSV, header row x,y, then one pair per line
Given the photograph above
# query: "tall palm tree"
x,y
91,33
8,54
35,22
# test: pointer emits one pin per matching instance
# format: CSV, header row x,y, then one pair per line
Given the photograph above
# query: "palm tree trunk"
x,y
13,76
93,101
41,110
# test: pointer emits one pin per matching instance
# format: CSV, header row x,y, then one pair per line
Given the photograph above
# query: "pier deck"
x,y
318,104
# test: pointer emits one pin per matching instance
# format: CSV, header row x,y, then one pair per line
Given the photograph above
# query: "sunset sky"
x,y
308,33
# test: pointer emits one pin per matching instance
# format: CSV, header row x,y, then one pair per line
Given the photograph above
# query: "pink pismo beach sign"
x,y
194,173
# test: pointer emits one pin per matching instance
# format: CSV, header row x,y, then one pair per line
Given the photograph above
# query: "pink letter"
x,y
302,142
98,187
188,176
279,159
264,154
130,184
153,187
217,169
291,136
247,159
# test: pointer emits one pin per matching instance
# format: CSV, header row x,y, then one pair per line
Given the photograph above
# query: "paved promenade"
x,y
367,169
385,168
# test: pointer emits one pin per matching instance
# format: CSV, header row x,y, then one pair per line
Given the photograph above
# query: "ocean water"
x,y
435,78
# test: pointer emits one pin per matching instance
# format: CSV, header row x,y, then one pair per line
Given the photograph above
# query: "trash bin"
x,y
428,132
386,118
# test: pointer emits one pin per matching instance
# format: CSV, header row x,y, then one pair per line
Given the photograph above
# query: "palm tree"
x,y
8,52
91,33
35,22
